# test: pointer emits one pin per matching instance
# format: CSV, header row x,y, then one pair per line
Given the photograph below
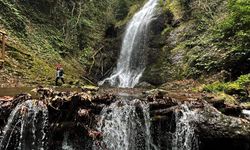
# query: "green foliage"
x,y
240,11
174,6
237,25
243,80
239,84
85,56
219,87
132,8
167,30
11,17
221,96
222,40
122,9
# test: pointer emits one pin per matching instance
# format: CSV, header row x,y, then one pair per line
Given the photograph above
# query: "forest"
x,y
125,74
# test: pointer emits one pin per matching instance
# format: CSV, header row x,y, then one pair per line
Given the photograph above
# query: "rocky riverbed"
x,y
78,114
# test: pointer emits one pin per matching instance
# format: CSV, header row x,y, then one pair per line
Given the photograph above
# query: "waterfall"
x,y
132,60
67,145
26,128
149,141
124,126
184,137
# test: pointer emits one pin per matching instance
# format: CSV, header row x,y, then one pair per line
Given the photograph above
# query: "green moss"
x,y
38,39
219,87
240,83
245,105
132,10
174,6
167,30
244,80
220,96
12,18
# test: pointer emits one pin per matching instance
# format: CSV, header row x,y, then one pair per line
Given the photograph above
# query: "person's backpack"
x,y
61,72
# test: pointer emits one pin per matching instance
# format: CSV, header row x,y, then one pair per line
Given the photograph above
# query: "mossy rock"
x,y
227,99
237,88
89,88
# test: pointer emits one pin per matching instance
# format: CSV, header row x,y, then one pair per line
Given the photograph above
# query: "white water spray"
x,y
126,126
26,128
149,141
184,137
132,60
67,145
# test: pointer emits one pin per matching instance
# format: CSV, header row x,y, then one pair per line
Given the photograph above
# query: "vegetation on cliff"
x,y
202,39
44,33
205,40
188,39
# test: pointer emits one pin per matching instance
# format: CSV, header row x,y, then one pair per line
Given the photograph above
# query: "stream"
x,y
130,121
125,124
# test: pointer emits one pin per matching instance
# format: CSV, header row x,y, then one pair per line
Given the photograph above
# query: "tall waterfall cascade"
x,y
26,128
132,60
184,137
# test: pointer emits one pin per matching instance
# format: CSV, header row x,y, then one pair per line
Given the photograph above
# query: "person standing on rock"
x,y
59,74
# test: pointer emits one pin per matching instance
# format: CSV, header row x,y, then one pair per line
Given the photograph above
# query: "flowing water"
x,y
184,137
132,60
26,128
126,126
147,119
67,145
126,123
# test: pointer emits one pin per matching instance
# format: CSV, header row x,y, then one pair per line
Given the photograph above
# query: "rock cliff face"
x,y
192,39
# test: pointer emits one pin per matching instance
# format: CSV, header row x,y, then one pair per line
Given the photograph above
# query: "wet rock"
x,y
214,124
241,94
156,92
80,112
83,112
95,134
89,89
144,85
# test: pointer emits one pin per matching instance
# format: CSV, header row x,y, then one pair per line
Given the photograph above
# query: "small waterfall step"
x,y
26,128
126,125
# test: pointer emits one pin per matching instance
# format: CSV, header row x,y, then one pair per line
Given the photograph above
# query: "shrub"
x,y
239,84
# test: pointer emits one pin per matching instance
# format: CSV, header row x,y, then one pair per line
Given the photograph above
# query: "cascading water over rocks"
x,y
126,126
184,137
66,145
26,128
132,60
141,122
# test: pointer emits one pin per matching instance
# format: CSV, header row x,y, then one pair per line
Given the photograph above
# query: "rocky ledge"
x,y
79,112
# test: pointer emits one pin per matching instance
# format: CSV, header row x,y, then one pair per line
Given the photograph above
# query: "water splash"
x,y
184,137
132,60
124,126
26,128
149,140
66,145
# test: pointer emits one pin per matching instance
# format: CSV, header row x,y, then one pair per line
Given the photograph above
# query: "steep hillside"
x,y
205,40
200,40
44,33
